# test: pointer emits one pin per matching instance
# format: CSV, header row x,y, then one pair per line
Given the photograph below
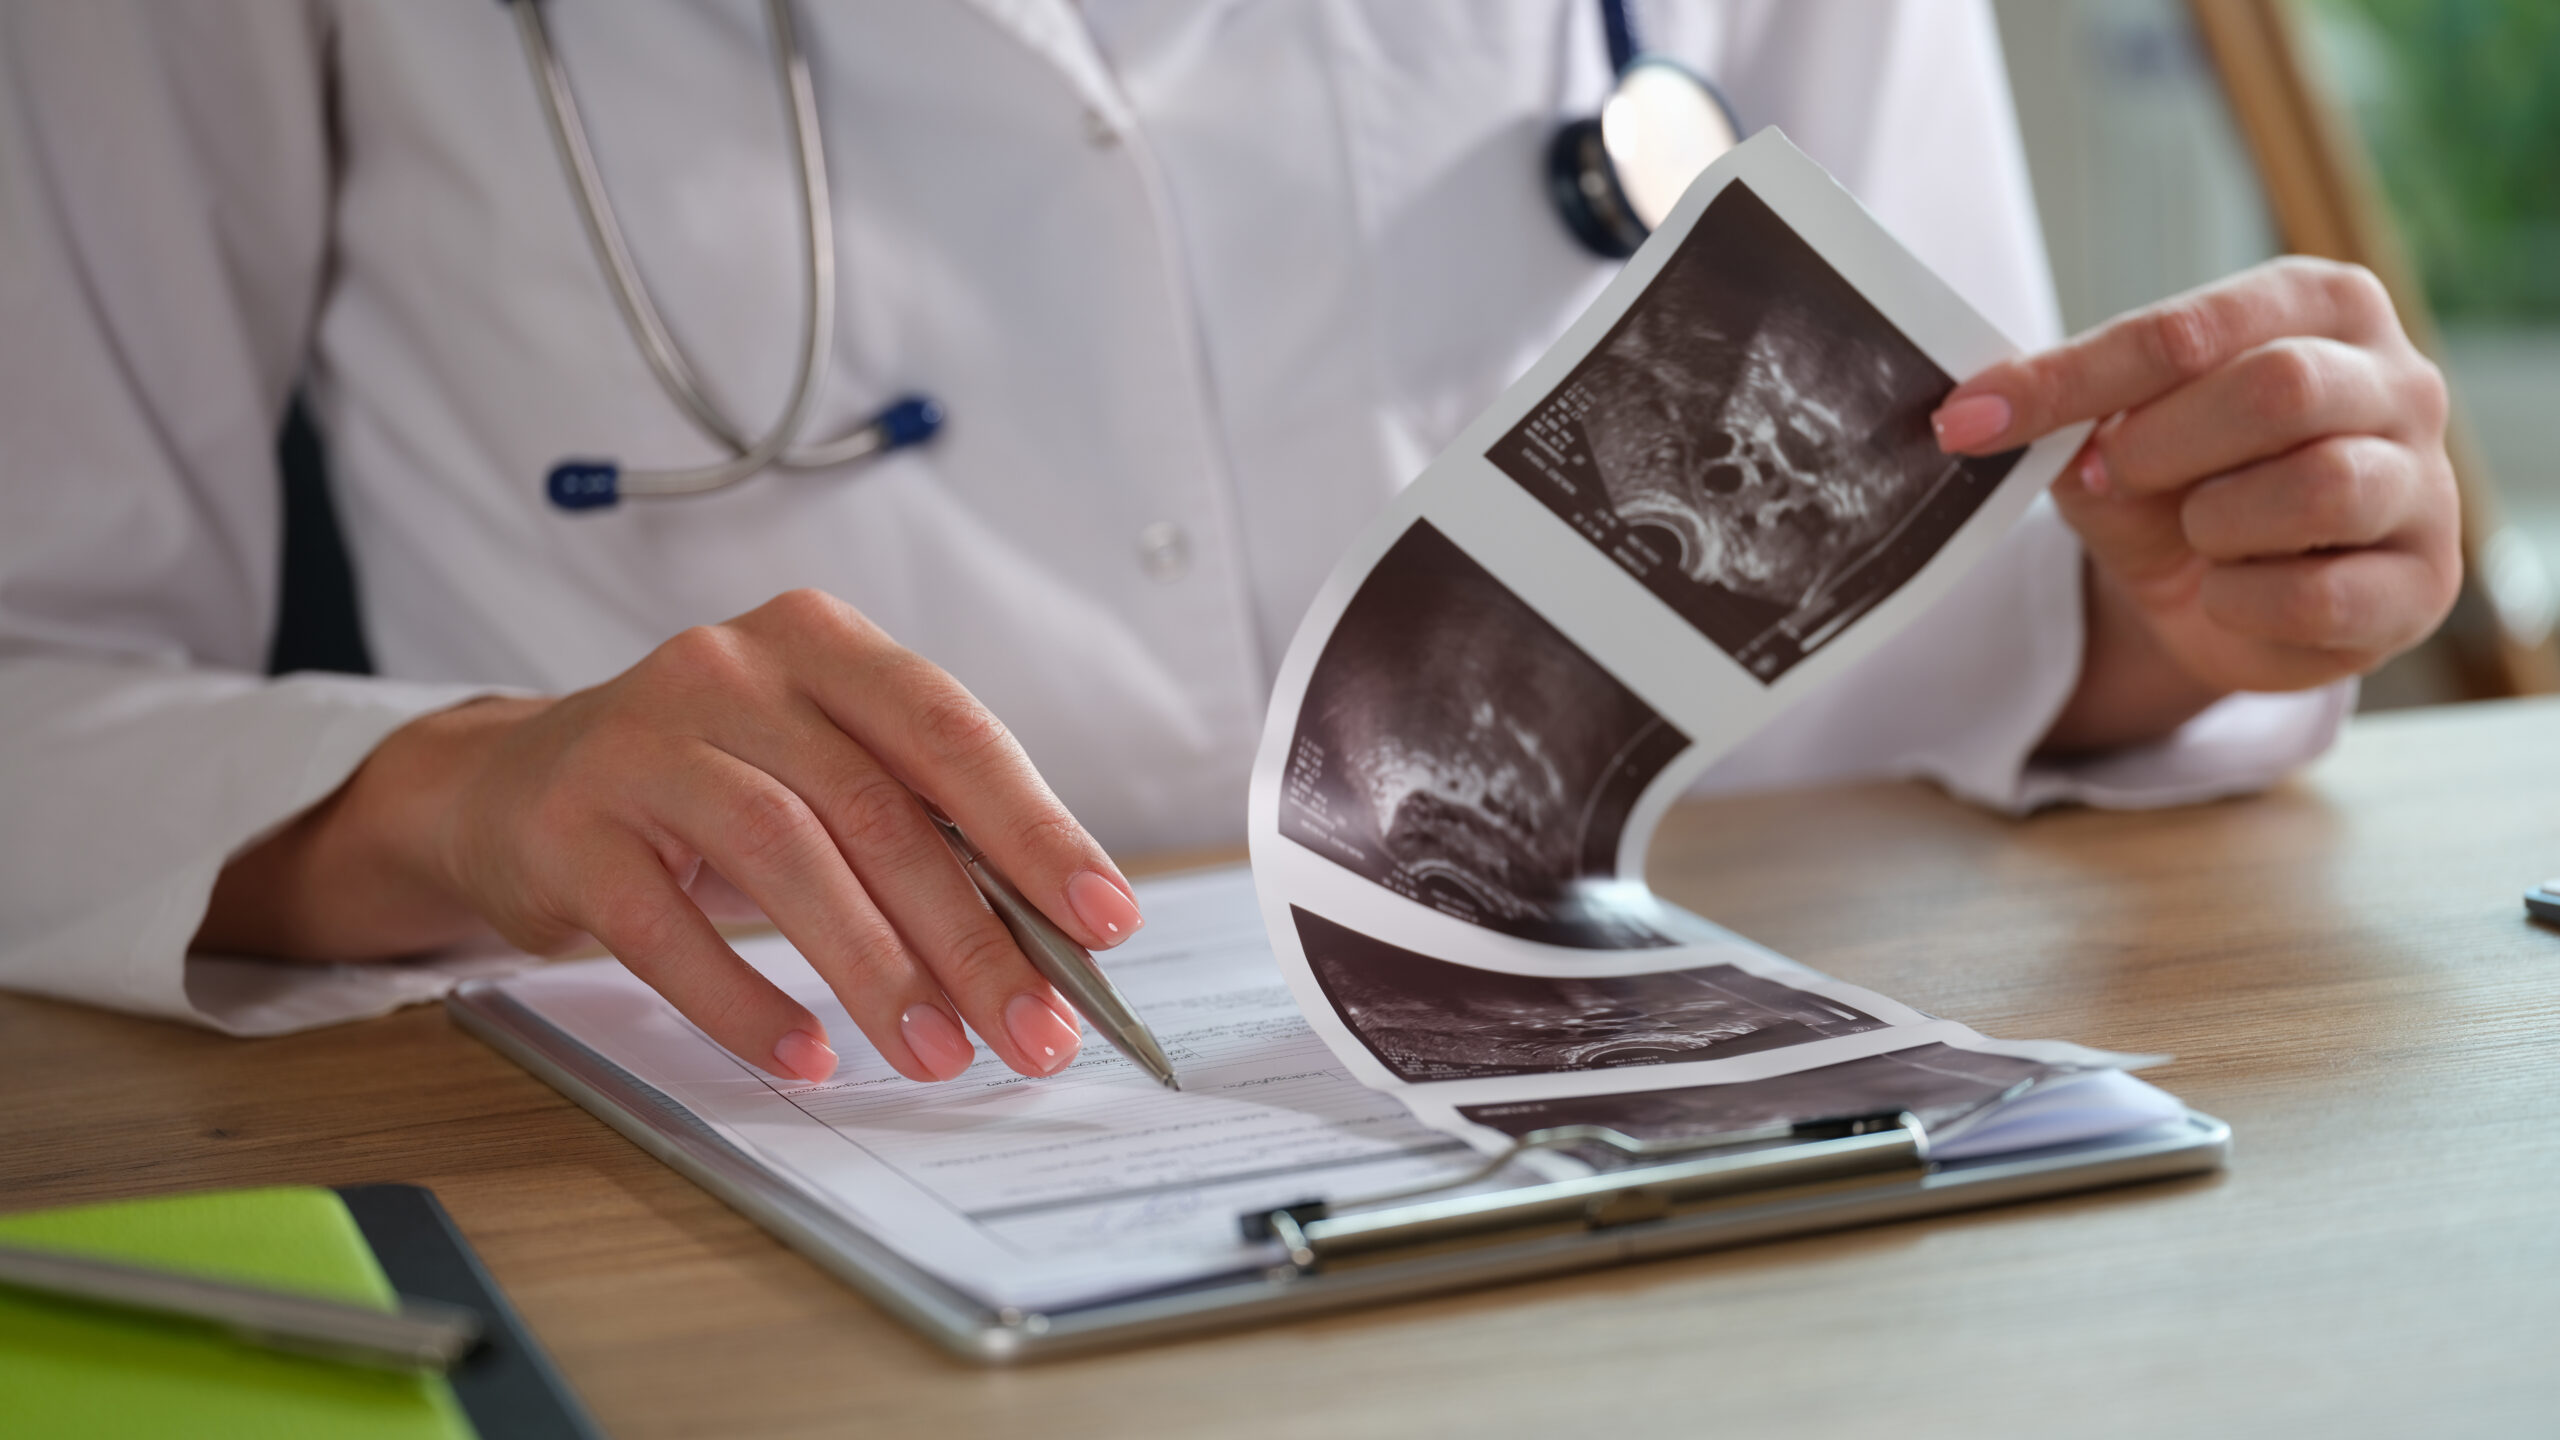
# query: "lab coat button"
x,y
1164,551
1099,130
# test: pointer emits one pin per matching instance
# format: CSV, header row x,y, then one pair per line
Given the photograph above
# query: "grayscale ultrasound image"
x,y
1751,441
1457,749
1428,1019
1938,1083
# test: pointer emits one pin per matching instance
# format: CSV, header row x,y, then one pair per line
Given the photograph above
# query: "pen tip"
x,y
1171,1083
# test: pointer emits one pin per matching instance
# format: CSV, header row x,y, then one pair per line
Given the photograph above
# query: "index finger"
x,y
940,742
2141,356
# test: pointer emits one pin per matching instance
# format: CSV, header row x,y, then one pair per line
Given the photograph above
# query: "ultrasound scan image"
x,y
1751,441
1457,749
1428,1019
1938,1083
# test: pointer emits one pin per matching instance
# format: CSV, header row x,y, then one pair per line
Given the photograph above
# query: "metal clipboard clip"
x,y
1862,1147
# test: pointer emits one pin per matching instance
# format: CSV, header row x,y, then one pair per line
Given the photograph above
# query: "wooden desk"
x,y
2342,968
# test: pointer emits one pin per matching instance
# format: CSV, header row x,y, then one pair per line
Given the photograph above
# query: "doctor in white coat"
x,y
1199,284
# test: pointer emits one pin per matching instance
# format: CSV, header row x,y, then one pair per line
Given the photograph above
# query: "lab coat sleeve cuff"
x,y
249,996
229,760
2239,745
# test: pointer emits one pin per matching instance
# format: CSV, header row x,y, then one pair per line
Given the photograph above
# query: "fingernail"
x,y
1972,421
2094,477
1059,1007
937,1041
1045,1040
805,1055
1105,908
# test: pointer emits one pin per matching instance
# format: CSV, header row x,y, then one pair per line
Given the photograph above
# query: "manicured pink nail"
x,y
804,1055
1058,1006
1105,908
1046,1041
2094,477
1971,422
937,1041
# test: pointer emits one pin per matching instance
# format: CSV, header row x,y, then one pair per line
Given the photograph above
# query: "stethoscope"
x,y
1613,177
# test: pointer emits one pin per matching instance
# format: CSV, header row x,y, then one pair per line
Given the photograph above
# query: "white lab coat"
x,y
1200,284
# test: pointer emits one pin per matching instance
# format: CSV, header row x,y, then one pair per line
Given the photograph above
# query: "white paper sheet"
x,y
1093,1182
1097,1182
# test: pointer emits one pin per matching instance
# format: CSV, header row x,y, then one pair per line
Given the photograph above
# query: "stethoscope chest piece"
x,y
1616,175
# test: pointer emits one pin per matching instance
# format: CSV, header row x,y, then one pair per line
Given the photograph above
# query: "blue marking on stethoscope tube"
x,y
584,484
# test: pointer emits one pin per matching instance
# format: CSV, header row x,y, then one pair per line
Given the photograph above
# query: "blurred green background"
x,y
2459,101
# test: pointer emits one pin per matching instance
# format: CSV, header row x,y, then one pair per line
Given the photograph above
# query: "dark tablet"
x,y
508,1386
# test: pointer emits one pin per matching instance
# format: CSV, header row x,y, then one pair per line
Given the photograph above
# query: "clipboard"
x,y
1850,1185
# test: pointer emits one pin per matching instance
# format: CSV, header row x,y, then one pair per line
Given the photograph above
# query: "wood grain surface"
x,y
2341,967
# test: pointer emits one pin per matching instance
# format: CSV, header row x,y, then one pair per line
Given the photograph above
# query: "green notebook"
x,y
71,1370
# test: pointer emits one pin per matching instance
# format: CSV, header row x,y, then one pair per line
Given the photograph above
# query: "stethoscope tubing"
x,y
675,372
1582,180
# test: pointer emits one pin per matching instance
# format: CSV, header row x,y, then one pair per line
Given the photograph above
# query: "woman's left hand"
x,y
2266,501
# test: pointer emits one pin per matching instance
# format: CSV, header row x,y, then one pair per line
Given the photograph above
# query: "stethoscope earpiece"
x,y
910,421
583,484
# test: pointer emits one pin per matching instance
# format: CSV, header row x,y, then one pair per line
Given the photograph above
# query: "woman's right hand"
x,y
777,758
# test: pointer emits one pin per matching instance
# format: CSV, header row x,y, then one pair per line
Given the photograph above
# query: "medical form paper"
x,y
1091,1183
1097,1182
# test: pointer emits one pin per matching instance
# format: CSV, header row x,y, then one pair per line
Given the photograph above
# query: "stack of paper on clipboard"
x,y
1717,491
1097,1182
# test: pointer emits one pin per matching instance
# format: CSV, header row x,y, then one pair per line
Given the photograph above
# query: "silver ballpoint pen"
x,y
1065,963
421,1334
